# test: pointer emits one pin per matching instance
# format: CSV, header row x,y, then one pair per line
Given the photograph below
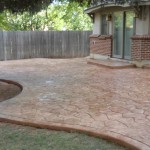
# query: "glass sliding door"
x,y
118,35
123,31
128,32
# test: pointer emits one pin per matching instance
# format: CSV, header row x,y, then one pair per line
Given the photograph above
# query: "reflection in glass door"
x,y
118,35
128,32
123,30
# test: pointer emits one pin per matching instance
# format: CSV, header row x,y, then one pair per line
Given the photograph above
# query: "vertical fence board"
x,y
57,44
65,44
14,45
7,45
26,43
1,46
51,44
68,52
86,42
43,44
80,49
71,44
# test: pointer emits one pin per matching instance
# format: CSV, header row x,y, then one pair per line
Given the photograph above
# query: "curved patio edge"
x,y
12,82
126,142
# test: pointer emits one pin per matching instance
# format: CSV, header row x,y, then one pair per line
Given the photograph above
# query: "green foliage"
x,y
31,6
58,16
23,5
4,23
75,19
118,20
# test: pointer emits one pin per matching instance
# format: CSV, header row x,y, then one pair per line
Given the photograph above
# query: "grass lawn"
x,y
15,137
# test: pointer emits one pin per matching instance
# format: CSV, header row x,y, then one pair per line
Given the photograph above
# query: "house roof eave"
x,y
97,8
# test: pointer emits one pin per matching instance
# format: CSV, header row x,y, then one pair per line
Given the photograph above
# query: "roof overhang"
x,y
102,7
109,6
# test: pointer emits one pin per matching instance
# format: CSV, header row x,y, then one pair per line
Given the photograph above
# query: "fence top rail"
x,y
46,31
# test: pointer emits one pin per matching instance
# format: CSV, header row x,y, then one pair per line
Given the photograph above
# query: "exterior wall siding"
x,y
143,23
97,23
140,47
101,44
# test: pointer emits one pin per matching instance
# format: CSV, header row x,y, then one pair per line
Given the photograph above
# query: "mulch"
x,y
8,90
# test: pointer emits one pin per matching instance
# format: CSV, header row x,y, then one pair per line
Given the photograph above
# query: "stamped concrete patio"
x,y
69,94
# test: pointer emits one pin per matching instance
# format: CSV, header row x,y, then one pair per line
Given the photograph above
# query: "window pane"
x,y
104,25
128,33
118,33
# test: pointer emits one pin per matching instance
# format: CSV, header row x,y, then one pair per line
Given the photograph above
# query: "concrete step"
x,y
112,64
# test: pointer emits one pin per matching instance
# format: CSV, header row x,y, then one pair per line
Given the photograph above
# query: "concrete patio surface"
x,y
69,94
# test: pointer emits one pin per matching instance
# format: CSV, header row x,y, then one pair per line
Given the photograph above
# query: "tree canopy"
x,y
23,5
33,6
57,16
30,5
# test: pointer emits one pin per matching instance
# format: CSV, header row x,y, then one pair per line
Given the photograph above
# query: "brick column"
x,y
140,47
101,44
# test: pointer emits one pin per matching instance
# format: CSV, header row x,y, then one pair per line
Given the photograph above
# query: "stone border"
x,y
68,128
13,83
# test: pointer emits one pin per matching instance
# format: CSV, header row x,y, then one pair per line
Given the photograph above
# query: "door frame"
x,y
122,56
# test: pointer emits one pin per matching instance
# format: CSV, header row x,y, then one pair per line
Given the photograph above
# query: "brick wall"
x,y
101,44
140,47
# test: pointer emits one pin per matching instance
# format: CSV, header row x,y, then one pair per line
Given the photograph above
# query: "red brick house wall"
x,y
140,47
101,44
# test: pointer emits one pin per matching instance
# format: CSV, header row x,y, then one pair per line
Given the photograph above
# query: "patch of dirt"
x,y
8,90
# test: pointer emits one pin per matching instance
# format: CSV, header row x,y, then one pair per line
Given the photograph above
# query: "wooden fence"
x,y
43,44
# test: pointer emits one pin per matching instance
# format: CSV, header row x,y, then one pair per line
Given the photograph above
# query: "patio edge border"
x,y
71,129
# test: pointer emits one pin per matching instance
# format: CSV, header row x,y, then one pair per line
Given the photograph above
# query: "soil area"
x,y
8,90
